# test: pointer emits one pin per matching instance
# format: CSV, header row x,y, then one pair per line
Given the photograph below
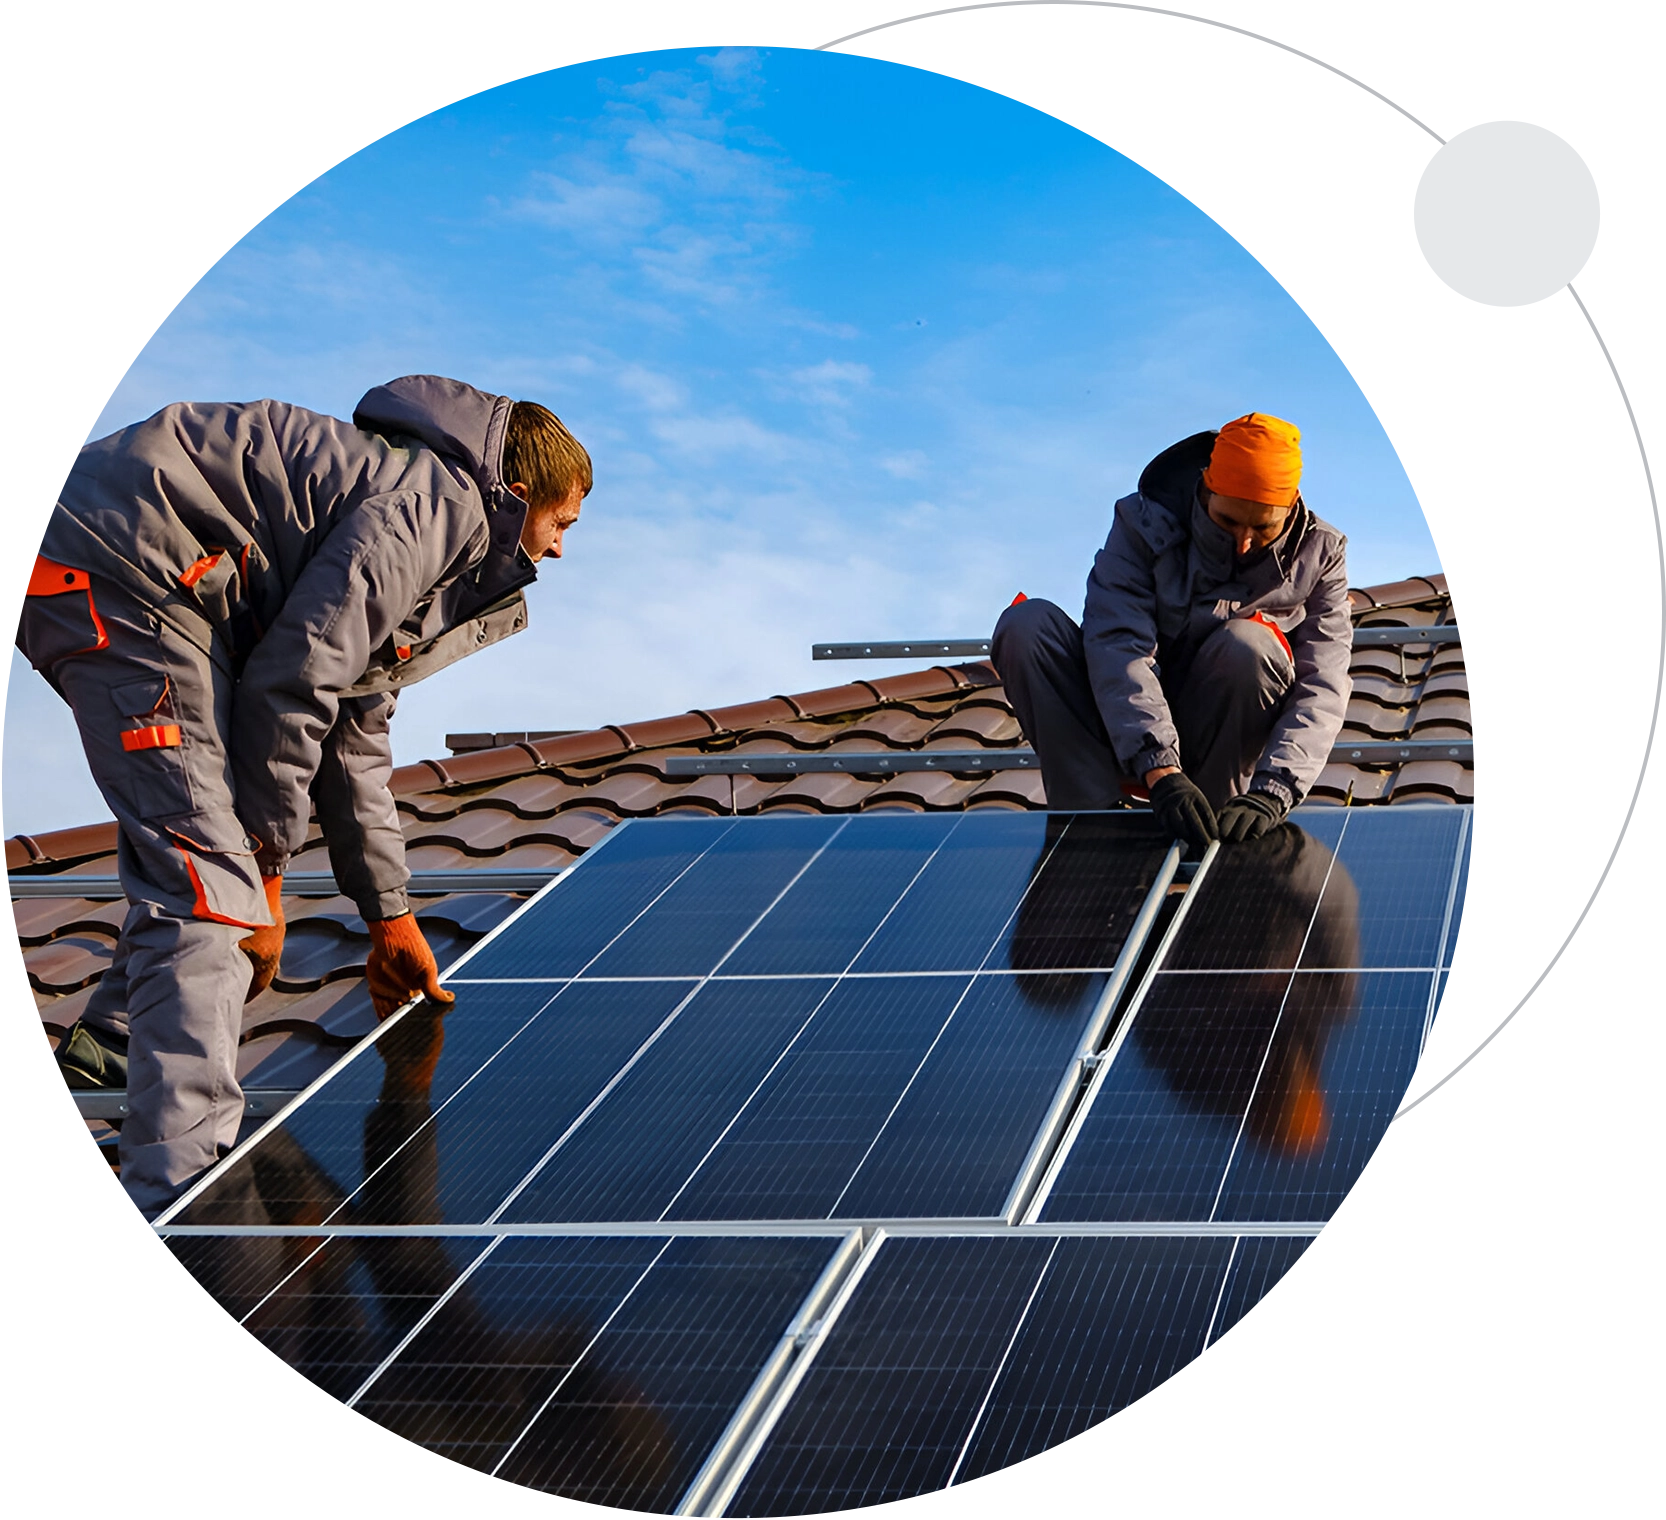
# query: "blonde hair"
x,y
542,455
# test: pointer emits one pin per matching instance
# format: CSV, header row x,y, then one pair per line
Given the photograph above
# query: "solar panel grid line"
x,y
422,1323
445,1103
239,1152
284,1281
1061,1154
1035,877
1069,1092
1220,1297
596,1102
788,1047
619,1076
720,1493
1445,929
578,1360
1272,1034
497,930
1001,1367
758,1397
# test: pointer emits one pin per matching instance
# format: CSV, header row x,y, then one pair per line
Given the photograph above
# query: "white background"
x,y
1479,1328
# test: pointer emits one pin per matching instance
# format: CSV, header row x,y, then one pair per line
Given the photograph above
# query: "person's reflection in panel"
x,y
469,1383
1078,910
1223,1042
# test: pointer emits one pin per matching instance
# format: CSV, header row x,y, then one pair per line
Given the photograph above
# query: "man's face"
x,y
1252,524
541,532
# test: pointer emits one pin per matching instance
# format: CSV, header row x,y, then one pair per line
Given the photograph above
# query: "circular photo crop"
x,y
739,782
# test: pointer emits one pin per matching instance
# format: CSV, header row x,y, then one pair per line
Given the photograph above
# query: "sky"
x,y
859,352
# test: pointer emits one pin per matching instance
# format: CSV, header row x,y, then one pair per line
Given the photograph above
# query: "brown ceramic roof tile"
x,y
1009,788
530,796
68,844
1447,659
798,735
834,699
983,724
41,918
746,715
631,794
931,789
68,962
1367,719
540,856
1447,683
751,792
1385,691
896,726
1420,588
577,749
825,791
1367,784
1433,780
685,728
1451,709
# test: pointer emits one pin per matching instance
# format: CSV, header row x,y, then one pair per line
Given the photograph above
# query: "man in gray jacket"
x,y
1210,670
230,597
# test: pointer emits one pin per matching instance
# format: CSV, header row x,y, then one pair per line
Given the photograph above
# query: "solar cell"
x,y
593,1370
574,920
1258,1262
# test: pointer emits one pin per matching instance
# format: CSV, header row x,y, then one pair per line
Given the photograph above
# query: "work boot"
x,y
92,1058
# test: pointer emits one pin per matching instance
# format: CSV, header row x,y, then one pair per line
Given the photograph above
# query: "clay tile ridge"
x,y
1420,588
61,846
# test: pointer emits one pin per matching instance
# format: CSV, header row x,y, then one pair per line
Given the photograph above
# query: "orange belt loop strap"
x,y
402,650
194,573
49,578
1278,633
157,736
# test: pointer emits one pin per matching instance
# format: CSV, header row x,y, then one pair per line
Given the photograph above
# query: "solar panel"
x,y
1248,1083
958,1356
797,1162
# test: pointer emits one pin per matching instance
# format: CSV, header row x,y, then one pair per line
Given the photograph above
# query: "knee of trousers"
x,y
1032,633
1241,653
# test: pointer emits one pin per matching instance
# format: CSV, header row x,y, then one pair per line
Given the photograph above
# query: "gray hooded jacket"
x,y
327,565
1167,578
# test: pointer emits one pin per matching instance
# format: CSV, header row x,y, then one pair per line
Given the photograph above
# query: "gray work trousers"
x,y
1224,709
177,983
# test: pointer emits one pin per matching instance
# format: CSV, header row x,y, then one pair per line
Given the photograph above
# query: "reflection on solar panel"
x,y
771,1165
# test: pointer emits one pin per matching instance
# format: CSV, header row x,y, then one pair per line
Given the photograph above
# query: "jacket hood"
x,y
463,424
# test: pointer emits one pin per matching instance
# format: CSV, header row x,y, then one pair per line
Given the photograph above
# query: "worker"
x,y
1210,670
231,597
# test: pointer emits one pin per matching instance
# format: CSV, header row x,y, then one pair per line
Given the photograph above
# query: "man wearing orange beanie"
x,y
1210,669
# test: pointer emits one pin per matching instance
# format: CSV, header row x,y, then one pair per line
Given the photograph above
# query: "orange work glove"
x,y
264,946
401,966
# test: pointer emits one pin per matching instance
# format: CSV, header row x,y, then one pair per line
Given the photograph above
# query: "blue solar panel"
x,y
1246,1092
576,919
955,1357
601,1370
717,1022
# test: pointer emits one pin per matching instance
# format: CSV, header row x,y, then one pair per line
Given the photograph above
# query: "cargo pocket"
x,y
220,861
153,755
59,616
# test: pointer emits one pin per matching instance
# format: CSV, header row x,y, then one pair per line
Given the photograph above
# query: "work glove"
x,y
401,966
265,946
1251,816
1183,810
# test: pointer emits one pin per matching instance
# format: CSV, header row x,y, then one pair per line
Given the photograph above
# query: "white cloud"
x,y
908,465
831,382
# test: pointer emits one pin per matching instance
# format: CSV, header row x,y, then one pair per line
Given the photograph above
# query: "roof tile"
x,y
748,714
834,699
577,749
685,728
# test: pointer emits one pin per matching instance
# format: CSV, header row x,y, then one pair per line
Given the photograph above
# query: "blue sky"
x,y
859,352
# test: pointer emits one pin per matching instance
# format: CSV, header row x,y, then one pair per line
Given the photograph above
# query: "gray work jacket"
x,y
1167,578
328,564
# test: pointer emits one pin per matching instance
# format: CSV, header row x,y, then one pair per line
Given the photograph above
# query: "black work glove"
x,y
1183,810
1251,816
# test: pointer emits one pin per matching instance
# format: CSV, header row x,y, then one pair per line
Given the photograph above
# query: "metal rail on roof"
x,y
843,762
935,649
111,1102
298,884
882,762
